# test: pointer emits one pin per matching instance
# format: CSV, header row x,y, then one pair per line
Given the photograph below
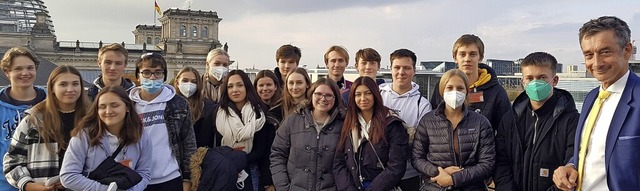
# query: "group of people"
x,y
221,131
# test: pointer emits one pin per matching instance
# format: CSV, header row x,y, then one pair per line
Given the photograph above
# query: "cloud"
x,y
255,29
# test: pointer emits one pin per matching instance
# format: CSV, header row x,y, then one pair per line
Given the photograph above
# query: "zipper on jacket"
x,y
535,127
315,167
455,159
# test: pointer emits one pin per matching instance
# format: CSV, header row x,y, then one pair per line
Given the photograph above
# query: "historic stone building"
x,y
184,38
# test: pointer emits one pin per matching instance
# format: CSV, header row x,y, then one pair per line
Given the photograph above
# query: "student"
x,y
240,123
189,85
302,153
296,94
217,68
168,121
112,60
40,141
486,95
367,64
403,97
373,141
288,59
19,65
270,91
336,59
99,135
537,134
454,146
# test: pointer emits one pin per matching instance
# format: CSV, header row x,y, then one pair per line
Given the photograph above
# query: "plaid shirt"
x,y
28,159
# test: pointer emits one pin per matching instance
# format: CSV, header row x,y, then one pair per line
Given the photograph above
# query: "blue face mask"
x,y
538,90
151,86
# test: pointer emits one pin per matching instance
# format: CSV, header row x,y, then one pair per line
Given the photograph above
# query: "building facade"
x,y
184,39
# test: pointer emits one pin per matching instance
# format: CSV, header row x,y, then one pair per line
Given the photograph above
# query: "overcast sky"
x,y
254,29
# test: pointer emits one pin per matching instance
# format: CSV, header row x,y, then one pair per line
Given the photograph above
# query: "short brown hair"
x,y
288,51
340,50
540,59
7,60
154,60
368,54
113,47
403,53
466,40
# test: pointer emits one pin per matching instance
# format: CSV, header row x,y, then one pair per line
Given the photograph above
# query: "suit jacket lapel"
x,y
620,116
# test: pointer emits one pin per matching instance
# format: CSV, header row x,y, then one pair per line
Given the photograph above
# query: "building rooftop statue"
x,y
189,12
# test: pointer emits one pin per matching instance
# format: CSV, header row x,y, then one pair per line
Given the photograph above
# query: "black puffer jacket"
x,y
302,158
433,148
496,101
392,152
521,165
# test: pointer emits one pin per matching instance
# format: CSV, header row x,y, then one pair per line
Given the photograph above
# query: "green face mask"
x,y
538,90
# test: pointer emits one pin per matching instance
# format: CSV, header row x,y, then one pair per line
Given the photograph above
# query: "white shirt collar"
x,y
619,85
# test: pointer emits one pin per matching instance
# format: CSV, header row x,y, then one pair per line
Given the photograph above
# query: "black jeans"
x,y
171,185
410,184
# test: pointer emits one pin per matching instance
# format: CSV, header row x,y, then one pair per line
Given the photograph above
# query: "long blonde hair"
x,y
288,104
50,128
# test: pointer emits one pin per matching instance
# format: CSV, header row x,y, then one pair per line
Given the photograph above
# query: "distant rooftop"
x,y
96,45
189,12
156,27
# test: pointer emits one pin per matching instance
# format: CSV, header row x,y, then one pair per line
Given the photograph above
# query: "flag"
x,y
157,8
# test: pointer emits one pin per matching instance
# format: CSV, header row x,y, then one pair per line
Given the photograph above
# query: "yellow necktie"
x,y
584,142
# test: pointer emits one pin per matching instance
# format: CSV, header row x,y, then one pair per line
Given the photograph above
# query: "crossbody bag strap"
x,y
376,153
115,153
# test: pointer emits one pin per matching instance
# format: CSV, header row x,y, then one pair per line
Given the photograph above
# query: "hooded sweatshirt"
x,y
11,113
405,106
151,112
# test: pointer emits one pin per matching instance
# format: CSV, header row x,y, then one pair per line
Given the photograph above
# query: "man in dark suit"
x,y
607,139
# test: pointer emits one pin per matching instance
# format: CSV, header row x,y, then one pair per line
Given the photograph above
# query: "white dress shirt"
x,y
595,172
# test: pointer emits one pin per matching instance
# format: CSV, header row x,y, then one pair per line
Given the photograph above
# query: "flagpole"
x,y
155,6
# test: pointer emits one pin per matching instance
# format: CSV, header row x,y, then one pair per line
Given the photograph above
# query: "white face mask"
x,y
187,88
454,99
219,72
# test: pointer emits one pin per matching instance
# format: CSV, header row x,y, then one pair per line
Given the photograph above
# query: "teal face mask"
x,y
538,90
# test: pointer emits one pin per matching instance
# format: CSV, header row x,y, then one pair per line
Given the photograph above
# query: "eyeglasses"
x,y
157,74
327,97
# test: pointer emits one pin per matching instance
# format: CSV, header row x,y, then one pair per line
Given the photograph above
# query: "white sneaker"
x,y
112,187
